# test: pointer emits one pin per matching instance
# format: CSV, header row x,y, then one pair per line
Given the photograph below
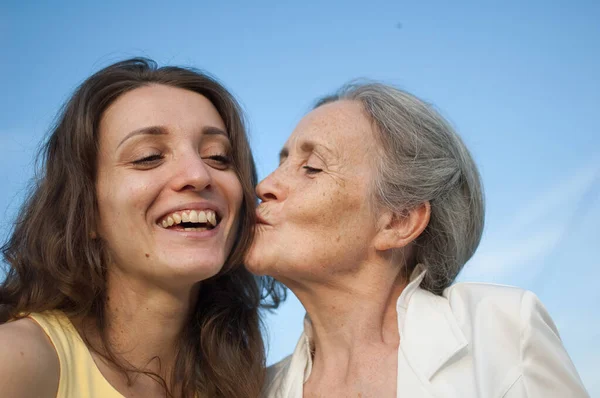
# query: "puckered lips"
x,y
260,218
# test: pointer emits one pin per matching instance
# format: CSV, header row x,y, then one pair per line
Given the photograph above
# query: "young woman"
x,y
125,276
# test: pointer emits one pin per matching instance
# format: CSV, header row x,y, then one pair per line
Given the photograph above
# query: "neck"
x,y
144,323
351,315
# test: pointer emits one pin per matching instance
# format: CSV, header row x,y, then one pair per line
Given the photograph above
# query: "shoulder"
x,y
491,312
29,364
491,299
486,291
512,327
486,299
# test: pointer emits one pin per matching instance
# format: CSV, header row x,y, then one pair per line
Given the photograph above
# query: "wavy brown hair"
x,y
55,264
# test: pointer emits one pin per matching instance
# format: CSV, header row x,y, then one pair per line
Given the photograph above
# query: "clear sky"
x,y
518,79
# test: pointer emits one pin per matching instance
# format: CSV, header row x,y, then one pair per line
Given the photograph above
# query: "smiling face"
x,y
168,197
316,217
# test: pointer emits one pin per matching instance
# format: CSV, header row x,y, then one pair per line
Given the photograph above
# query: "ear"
x,y
398,230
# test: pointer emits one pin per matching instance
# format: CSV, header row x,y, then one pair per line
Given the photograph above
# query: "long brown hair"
x,y
55,264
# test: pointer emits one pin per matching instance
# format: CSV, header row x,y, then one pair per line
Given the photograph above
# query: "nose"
x,y
192,174
270,188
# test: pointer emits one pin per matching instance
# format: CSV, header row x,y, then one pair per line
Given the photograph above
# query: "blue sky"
x,y
518,80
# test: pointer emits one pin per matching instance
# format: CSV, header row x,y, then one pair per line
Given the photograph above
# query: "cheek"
x,y
329,209
234,193
333,224
121,201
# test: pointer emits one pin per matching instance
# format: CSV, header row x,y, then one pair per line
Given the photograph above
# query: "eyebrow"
x,y
151,130
160,130
211,130
306,147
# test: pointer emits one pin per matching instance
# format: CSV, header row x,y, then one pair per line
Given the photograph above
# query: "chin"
x,y
263,266
251,265
253,262
194,270
195,276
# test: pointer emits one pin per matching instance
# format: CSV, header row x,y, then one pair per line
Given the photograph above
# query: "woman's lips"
x,y
260,219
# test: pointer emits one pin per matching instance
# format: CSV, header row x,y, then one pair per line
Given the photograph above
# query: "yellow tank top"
x,y
79,375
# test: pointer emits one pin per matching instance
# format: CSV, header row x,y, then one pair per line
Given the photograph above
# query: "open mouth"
x,y
190,220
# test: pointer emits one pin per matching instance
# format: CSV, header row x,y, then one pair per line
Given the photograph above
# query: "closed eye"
x,y
220,162
311,170
148,160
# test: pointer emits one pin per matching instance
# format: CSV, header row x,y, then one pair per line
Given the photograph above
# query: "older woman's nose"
x,y
192,174
269,189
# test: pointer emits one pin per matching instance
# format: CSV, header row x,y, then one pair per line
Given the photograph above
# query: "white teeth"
x,y
193,216
212,218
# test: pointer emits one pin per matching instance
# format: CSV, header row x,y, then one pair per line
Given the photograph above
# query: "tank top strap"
x,y
79,375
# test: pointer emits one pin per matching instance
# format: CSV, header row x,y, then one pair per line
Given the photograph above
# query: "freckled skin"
x,y
323,222
322,237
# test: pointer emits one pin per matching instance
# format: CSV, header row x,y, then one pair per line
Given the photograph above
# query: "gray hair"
x,y
424,160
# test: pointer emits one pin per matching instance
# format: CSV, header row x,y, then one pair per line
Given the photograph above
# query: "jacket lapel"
x,y
429,337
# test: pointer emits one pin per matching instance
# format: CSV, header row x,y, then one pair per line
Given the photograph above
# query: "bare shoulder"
x,y
28,361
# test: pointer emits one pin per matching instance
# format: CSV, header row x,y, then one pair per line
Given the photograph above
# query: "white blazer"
x,y
477,340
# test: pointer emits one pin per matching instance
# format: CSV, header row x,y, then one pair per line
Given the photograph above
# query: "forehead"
x,y
158,105
341,126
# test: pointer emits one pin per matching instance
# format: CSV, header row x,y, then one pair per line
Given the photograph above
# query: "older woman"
x,y
125,273
373,211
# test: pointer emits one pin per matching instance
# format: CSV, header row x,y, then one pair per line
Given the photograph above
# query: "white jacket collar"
x,y
429,333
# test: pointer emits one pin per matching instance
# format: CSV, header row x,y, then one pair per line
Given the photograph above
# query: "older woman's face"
x,y
316,214
168,198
